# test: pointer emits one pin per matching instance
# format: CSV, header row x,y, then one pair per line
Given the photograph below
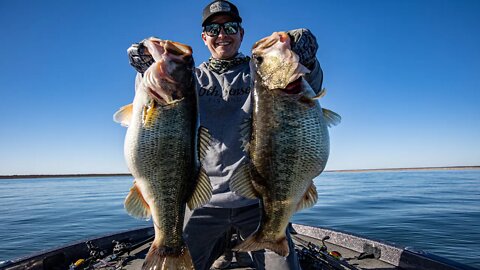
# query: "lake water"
x,y
436,211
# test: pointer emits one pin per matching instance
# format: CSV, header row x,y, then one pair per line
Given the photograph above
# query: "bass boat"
x,y
318,248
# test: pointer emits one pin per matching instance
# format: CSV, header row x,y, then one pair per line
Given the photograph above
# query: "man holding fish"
x,y
255,199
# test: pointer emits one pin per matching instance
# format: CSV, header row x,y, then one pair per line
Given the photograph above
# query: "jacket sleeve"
x,y
305,45
315,77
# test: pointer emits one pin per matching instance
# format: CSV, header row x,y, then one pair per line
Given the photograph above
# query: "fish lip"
x,y
269,41
162,49
178,49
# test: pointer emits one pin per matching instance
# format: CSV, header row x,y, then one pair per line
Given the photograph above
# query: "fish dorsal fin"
x,y
245,133
202,192
309,199
124,115
320,94
204,142
241,182
136,205
331,118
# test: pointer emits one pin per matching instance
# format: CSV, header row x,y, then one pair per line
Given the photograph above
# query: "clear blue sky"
x,y
404,75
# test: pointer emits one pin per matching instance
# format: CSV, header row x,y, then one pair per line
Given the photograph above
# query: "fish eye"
x,y
258,59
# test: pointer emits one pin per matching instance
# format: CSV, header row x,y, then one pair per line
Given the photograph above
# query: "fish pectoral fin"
x,y
202,192
320,94
309,101
331,118
149,113
204,142
246,133
309,199
124,115
258,242
136,205
241,182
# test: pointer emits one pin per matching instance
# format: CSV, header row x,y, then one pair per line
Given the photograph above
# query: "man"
x,y
223,85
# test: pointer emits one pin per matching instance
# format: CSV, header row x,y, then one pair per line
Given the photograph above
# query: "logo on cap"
x,y
219,7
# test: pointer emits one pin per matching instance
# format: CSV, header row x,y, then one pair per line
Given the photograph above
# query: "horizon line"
x,y
340,170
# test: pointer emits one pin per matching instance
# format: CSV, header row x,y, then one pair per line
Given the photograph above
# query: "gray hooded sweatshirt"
x,y
225,103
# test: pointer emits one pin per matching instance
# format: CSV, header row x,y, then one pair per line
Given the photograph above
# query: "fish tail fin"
x,y
163,258
256,242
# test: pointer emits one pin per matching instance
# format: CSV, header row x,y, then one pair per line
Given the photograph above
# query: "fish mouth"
x,y
277,64
167,79
160,48
178,49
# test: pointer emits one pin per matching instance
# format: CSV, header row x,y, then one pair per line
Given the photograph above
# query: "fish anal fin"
x,y
204,142
124,115
241,182
202,192
136,205
331,118
309,199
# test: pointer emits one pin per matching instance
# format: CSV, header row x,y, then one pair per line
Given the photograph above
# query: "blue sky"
x,y
404,75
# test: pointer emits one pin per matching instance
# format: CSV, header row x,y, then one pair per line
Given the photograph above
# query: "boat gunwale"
x,y
394,254
77,248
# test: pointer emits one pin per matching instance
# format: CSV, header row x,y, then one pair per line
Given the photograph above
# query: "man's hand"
x,y
139,57
305,45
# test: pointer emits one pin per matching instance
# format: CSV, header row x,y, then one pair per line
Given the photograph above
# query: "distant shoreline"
x,y
345,170
410,169
63,175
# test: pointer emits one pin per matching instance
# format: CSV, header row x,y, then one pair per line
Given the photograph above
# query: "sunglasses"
x,y
230,28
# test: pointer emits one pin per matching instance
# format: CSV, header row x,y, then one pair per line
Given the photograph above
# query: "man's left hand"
x,y
304,44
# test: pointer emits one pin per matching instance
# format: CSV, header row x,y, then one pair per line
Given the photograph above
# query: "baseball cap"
x,y
220,7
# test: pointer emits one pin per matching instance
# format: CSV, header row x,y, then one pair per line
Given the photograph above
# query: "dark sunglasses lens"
x,y
230,28
212,29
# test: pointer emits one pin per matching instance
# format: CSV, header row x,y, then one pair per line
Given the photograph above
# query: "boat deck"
x,y
348,255
128,249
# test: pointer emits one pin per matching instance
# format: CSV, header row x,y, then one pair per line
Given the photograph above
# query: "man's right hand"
x,y
139,57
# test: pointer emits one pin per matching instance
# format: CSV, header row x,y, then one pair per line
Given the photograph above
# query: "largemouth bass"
x,y
163,148
288,145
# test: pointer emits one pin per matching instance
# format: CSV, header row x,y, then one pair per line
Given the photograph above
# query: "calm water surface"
x,y
436,211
